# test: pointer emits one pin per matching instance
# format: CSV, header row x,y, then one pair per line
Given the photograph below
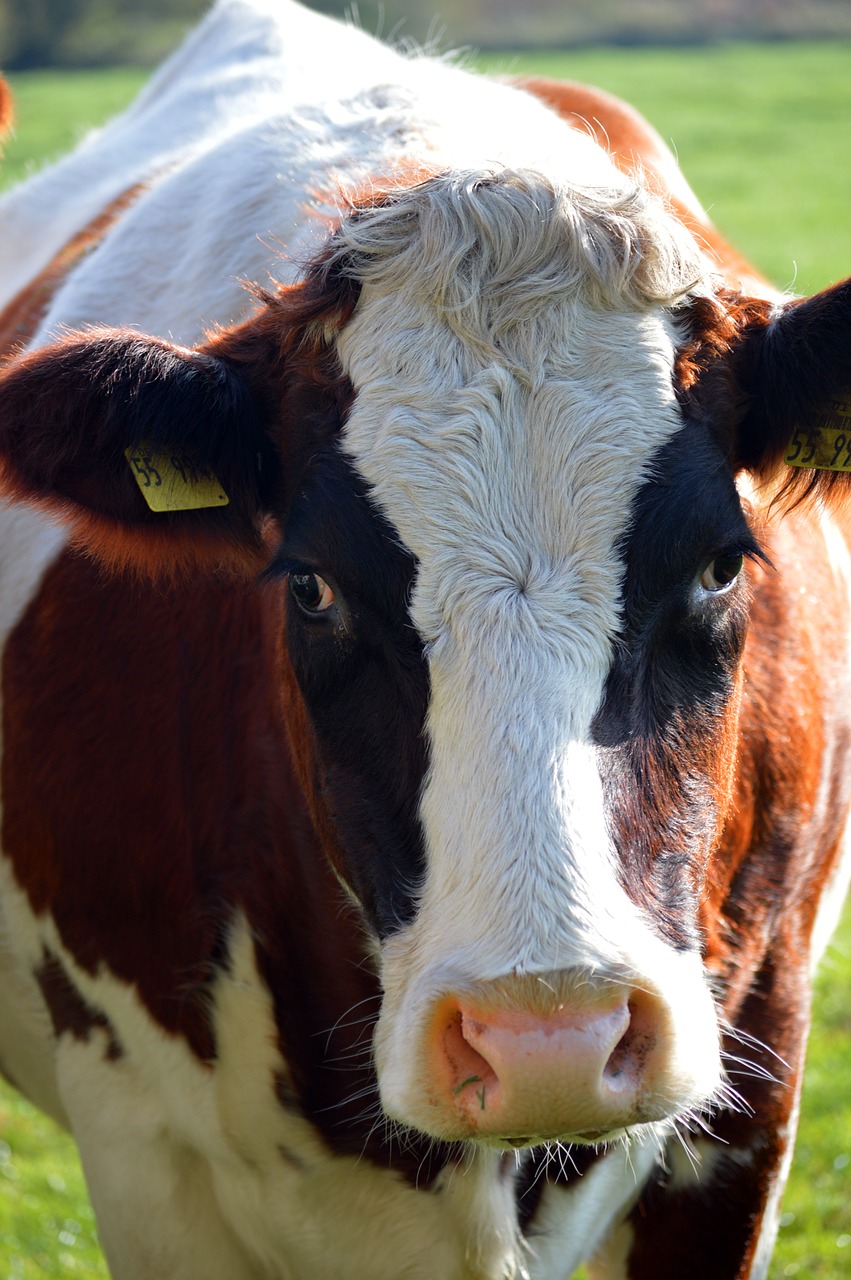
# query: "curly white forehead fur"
x,y
492,249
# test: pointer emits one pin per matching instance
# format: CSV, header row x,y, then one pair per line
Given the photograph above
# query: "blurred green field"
x,y
762,133
53,111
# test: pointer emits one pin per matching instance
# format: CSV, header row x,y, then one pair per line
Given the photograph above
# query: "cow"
x,y
426,632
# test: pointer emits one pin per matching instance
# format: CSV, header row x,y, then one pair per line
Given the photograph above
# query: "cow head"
x,y
490,447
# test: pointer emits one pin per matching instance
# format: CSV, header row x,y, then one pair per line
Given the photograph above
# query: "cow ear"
x,y
792,372
160,457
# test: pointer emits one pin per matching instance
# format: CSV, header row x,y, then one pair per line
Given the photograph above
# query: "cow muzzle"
x,y
503,1066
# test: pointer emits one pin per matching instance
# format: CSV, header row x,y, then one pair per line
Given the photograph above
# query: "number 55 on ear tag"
x,y
173,481
826,446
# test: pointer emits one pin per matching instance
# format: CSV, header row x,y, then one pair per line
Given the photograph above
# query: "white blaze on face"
x,y
508,466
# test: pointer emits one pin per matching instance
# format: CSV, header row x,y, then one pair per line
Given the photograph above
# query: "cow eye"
x,y
721,573
312,593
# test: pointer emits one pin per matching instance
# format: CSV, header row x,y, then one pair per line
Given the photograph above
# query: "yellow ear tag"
x,y
172,481
826,445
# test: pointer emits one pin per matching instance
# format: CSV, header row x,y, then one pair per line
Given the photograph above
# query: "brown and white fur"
x,y
402,864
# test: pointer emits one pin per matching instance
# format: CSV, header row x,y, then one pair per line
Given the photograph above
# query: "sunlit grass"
x,y
46,1222
815,1236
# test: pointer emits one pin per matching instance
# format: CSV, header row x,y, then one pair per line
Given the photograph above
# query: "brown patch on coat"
x,y
717,326
7,108
70,1013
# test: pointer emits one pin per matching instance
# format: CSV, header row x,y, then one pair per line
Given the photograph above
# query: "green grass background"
x,y
763,134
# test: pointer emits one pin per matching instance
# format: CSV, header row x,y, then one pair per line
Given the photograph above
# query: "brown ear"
x,y
798,373
164,458
159,456
777,378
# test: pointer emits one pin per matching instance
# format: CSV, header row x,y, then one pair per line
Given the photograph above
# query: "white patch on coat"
x,y
572,1221
514,382
197,1170
250,61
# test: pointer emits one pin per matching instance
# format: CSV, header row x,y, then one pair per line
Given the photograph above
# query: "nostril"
x,y
471,1076
626,1064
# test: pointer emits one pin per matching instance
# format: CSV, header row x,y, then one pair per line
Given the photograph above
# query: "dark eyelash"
x,y
284,566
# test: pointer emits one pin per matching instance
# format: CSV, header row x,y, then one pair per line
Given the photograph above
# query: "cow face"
x,y
500,438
